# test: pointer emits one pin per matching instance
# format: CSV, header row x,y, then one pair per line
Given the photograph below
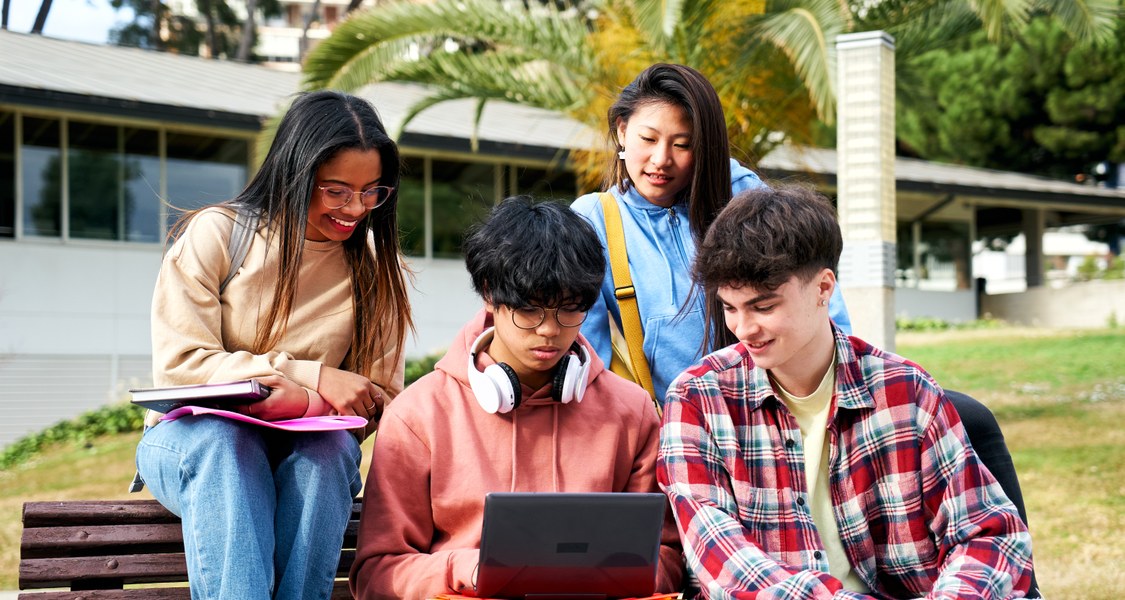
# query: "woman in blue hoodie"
x,y
671,176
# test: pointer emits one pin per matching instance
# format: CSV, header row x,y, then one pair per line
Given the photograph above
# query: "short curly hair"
x,y
761,239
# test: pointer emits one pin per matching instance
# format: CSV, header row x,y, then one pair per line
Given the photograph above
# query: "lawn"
x,y
1060,398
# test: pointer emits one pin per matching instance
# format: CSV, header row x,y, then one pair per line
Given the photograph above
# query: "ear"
x,y
621,132
825,284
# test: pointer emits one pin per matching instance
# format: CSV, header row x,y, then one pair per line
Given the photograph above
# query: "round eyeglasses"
x,y
339,196
530,317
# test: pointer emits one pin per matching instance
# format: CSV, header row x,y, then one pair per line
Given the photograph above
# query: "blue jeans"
x,y
263,510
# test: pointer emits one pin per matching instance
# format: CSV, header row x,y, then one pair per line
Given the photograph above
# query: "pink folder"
x,y
326,423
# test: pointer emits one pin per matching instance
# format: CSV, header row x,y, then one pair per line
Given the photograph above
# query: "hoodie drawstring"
x,y
555,447
515,457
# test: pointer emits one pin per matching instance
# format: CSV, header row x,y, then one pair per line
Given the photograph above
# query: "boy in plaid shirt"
x,y
804,464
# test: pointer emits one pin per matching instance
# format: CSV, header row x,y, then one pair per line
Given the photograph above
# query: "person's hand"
x,y
287,400
350,393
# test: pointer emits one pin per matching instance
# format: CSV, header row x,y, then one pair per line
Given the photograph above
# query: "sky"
x,y
82,20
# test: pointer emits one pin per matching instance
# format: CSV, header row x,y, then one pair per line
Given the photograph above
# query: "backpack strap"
x,y
626,294
245,224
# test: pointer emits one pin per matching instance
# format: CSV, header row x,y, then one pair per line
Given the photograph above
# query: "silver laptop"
x,y
557,546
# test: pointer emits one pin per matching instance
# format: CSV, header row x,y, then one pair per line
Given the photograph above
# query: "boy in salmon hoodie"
x,y
519,403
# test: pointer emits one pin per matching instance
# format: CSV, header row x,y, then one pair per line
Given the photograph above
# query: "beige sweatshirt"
x,y
200,337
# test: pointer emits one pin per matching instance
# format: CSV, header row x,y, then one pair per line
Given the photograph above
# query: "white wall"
x,y
1081,305
74,324
953,306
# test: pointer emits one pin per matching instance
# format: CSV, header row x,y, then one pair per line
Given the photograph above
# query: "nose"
x,y
744,327
355,205
550,326
661,155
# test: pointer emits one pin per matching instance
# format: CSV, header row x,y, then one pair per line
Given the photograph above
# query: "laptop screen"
x,y
570,545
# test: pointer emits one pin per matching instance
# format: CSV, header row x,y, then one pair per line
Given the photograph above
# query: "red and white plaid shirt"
x,y
918,514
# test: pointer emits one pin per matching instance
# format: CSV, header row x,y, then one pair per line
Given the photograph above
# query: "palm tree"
x,y
772,61
559,60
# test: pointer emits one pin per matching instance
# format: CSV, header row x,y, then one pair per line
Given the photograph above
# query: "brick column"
x,y
865,146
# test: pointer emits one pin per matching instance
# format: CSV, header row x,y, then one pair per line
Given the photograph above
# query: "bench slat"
x,y
339,592
45,542
178,593
110,543
95,512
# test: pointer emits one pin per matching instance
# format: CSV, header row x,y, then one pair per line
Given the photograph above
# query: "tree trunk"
x,y
303,48
212,44
41,18
158,20
354,4
246,44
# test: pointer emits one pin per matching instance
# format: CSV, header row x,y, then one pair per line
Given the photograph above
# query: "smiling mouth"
x,y
343,223
658,177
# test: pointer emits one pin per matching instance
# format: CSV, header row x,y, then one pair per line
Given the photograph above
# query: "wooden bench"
x,y
96,547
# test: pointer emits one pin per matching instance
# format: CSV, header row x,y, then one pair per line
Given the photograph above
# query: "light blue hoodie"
x,y
661,250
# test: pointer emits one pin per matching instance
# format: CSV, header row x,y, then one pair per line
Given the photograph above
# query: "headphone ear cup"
x,y
507,385
570,380
561,381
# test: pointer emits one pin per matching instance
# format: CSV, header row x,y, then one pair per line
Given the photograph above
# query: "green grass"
x,y
1059,396
1060,399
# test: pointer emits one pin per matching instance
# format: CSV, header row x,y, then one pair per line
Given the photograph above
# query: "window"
x,y
141,176
94,175
204,170
411,209
42,177
7,174
463,193
543,184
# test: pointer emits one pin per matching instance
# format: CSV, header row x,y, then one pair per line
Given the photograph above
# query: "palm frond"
x,y
1086,20
540,32
805,32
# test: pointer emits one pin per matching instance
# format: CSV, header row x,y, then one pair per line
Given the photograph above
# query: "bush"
x,y
107,420
935,324
123,418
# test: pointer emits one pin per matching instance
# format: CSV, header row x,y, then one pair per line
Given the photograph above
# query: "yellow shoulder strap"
x,y
626,294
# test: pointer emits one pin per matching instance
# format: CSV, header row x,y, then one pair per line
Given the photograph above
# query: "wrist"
x,y
315,406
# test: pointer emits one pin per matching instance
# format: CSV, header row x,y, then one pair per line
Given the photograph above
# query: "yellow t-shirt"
x,y
811,413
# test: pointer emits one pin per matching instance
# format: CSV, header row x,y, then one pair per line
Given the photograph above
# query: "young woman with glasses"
x,y
318,312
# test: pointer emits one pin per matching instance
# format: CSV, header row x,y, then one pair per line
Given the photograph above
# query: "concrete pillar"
x,y
865,147
1034,222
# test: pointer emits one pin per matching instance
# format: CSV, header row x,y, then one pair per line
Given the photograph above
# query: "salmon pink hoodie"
x,y
437,453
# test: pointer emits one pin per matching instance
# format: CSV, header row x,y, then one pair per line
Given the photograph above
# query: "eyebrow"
x,y
662,132
346,184
752,301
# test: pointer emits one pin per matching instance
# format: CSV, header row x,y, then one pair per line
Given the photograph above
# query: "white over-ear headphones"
x,y
497,388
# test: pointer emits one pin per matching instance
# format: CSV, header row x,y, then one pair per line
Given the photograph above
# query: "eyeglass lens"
x,y
338,196
530,317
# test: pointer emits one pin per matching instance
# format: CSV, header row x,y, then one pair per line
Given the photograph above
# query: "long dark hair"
x,y
317,126
689,89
